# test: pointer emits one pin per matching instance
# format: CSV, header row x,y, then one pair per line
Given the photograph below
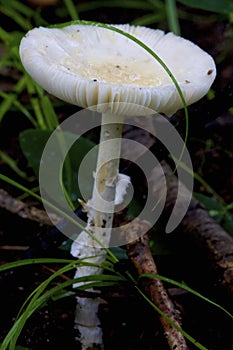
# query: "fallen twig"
x,y
140,254
24,210
200,230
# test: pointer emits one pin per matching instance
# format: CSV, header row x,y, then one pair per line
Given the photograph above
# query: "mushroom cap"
x,y
90,66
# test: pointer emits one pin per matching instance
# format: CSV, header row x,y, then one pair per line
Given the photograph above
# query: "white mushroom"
x,y
97,68
89,66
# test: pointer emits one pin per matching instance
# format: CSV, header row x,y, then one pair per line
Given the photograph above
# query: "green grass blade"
x,y
202,182
13,165
71,9
16,17
19,106
33,301
128,4
100,277
9,99
19,7
36,301
188,289
25,262
172,16
57,210
185,334
4,36
149,19
12,336
49,113
35,103
12,99
6,105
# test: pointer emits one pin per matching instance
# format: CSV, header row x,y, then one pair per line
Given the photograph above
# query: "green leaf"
x,y
18,347
66,245
32,143
220,213
219,6
208,202
119,253
228,223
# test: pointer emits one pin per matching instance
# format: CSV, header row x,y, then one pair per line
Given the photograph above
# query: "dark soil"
x,y
128,322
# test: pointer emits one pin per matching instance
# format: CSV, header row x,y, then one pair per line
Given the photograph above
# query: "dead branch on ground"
x,y
201,231
24,210
140,254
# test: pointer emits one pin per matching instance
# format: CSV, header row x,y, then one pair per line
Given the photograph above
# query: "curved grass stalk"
x,y
187,288
36,300
25,262
185,334
203,183
57,210
172,16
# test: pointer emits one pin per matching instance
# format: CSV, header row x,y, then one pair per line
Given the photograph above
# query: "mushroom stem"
x,y
100,208
106,174
100,211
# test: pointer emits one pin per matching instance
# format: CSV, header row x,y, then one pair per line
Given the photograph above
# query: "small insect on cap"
x,y
88,65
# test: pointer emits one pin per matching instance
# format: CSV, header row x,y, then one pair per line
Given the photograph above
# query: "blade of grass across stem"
x,y
29,305
37,299
15,331
59,211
